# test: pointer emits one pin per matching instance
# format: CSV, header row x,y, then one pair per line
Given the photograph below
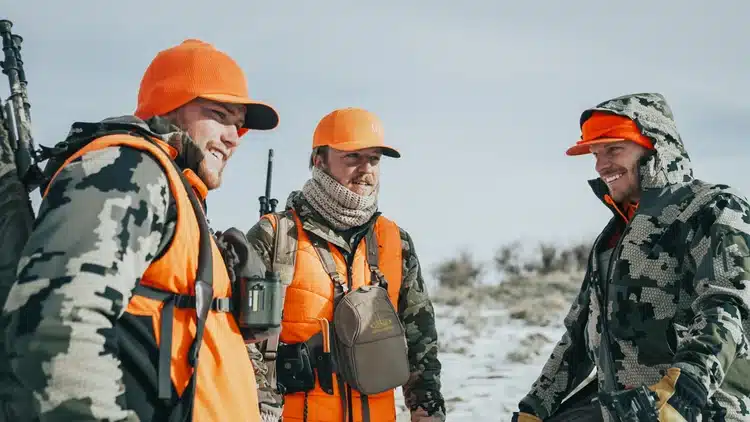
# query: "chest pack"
x,y
365,343
369,338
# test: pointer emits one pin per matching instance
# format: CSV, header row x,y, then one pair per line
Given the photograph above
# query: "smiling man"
x,y
334,240
665,303
101,321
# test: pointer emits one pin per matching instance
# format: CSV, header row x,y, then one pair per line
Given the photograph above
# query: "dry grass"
x,y
538,300
529,348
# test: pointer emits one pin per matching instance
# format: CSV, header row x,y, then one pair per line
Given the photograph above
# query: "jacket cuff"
x,y
689,388
526,406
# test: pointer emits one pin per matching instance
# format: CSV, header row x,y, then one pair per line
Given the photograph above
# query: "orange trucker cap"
x,y
195,69
602,128
351,129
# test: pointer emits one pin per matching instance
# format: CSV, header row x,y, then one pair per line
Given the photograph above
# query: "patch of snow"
x,y
489,360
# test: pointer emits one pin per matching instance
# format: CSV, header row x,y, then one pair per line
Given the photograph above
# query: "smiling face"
x,y
358,171
213,128
617,165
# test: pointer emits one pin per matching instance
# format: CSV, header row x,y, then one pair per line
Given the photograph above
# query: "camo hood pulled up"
x,y
670,163
666,287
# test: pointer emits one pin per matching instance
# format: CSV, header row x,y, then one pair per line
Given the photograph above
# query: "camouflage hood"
x,y
189,154
670,165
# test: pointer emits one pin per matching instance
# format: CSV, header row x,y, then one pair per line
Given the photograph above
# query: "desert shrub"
x,y
459,271
549,258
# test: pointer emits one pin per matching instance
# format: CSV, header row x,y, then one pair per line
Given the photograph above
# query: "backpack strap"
x,y
282,261
371,242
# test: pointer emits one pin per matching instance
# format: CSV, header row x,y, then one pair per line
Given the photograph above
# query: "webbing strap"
x,y
329,265
281,261
171,301
377,276
342,396
365,408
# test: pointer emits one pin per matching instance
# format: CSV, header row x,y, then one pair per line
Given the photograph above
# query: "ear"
x,y
320,160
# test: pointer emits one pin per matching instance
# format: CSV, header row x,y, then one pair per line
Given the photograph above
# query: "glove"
x,y
242,261
421,415
524,417
678,403
239,257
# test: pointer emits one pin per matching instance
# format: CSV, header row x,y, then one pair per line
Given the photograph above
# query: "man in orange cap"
x,y
330,241
122,306
663,315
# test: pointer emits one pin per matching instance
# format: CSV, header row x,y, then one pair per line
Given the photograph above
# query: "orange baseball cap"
x,y
351,129
195,69
602,128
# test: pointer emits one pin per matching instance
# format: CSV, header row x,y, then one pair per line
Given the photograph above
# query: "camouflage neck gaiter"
x,y
340,207
189,154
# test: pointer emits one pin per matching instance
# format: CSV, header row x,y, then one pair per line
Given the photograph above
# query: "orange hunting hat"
x,y
351,129
195,69
602,128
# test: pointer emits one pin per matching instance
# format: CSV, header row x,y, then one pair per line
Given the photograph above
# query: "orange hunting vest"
x,y
225,387
310,295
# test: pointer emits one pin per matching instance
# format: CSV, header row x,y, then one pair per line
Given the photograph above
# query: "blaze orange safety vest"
x,y
225,386
311,295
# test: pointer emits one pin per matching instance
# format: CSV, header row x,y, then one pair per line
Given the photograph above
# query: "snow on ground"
x,y
490,359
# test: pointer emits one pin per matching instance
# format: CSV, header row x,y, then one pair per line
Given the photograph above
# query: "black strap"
x,y
171,301
329,265
365,407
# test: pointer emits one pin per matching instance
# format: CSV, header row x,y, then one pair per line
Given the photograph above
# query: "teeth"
x,y
610,179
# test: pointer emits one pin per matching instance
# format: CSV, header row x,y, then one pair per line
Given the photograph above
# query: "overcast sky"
x,y
482,99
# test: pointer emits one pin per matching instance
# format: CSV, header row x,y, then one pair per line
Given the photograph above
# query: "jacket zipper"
x,y
610,377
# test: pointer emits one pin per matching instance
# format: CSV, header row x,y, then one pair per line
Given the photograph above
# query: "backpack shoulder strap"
x,y
371,242
282,261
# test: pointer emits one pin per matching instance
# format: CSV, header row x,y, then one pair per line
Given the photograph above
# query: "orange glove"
x,y
524,417
665,389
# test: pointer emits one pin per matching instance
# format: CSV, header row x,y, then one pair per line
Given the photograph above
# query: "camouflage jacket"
x,y
106,216
677,290
414,307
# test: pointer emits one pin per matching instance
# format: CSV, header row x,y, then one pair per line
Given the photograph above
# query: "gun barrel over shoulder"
x,y
268,204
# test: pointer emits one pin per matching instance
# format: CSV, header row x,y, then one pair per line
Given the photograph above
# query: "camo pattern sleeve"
x,y
418,316
98,229
721,292
568,365
271,403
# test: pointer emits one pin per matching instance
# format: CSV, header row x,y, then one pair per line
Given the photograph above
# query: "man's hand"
x,y
671,407
239,257
524,417
665,401
242,261
421,415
